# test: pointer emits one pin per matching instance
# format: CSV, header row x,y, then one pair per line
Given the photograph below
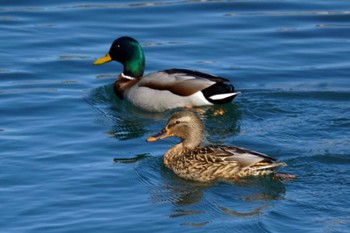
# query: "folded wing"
x,y
184,82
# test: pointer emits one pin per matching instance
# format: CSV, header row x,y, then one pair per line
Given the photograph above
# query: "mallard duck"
x,y
163,90
208,163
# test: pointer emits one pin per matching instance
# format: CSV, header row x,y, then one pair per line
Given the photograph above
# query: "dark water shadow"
x,y
122,119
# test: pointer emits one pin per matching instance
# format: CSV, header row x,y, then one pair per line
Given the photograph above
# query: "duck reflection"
x,y
127,121
197,204
122,118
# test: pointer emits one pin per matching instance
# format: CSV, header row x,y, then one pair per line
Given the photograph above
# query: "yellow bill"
x,y
102,60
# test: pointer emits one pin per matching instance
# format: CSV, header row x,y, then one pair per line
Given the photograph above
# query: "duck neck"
x,y
135,66
193,139
193,135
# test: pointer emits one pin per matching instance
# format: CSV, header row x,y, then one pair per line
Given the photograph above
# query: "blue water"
x,y
61,126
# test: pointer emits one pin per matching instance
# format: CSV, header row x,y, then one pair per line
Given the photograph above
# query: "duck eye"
x,y
175,123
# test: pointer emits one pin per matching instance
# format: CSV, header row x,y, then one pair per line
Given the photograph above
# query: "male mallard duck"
x,y
190,161
163,90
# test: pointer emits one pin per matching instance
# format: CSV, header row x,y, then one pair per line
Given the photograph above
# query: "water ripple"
x,y
61,124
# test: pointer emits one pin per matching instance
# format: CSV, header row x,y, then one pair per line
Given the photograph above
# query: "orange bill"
x,y
160,135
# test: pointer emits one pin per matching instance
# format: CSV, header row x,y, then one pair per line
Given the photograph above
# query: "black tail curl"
x,y
217,89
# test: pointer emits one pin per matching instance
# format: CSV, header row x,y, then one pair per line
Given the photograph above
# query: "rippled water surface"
x,y
61,126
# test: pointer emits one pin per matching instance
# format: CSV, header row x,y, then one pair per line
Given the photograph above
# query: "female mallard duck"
x,y
190,161
163,90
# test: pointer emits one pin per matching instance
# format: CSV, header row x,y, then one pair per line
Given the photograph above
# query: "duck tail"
x,y
271,166
220,93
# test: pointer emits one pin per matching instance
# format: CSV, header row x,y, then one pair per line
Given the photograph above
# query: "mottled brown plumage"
x,y
191,161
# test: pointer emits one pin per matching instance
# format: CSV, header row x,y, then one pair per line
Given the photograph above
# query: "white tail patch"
x,y
271,166
223,96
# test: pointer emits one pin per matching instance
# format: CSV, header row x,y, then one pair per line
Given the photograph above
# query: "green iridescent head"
x,y
129,53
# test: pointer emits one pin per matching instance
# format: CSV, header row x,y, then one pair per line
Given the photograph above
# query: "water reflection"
x,y
198,204
118,115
